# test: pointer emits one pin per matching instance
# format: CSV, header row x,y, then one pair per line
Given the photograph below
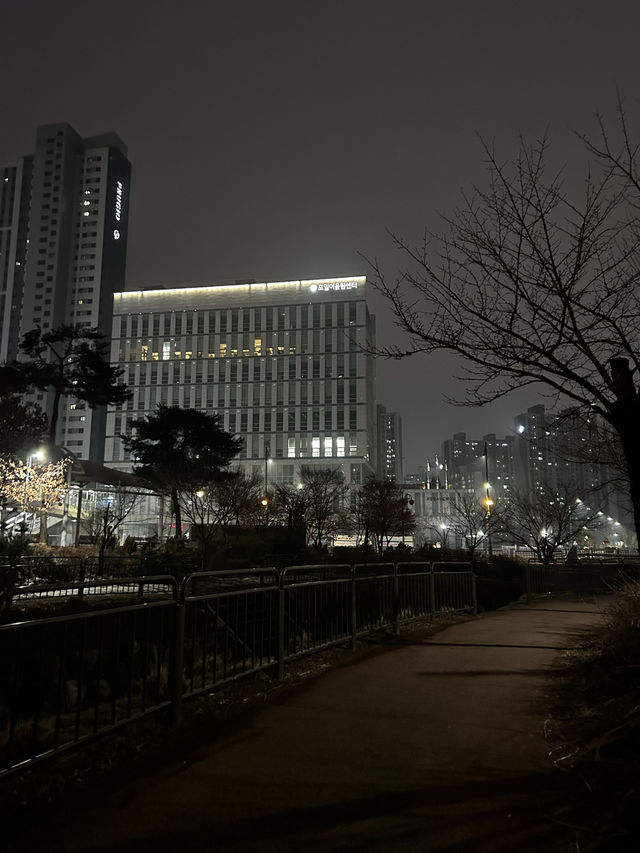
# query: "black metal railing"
x,y
67,678
585,577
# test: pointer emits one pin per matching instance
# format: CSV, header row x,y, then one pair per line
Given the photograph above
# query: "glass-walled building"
x,y
286,365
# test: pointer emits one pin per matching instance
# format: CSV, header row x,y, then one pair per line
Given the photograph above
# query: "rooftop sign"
x,y
334,285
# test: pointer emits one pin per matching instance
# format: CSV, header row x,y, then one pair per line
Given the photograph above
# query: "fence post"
x,y
354,609
281,621
474,592
432,591
527,581
177,662
82,574
396,600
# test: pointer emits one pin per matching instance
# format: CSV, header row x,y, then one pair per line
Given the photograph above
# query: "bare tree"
x,y
290,506
532,284
384,512
439,531
105,520
239,496
325,492
202,508
547,519
471,522
91,524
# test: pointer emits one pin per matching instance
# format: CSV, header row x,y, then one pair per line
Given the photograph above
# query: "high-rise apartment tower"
x,y
63,241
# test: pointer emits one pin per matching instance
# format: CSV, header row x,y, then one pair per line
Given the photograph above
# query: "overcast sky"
x,y
279,139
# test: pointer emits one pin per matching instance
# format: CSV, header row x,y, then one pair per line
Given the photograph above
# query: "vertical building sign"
x,y
119,201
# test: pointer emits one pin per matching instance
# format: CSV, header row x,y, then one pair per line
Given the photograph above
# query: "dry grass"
x,y
595,728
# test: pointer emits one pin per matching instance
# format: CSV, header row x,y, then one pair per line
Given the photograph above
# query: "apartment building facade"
x,y
63,241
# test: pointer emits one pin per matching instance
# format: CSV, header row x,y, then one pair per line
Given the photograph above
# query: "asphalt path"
x,y
436,745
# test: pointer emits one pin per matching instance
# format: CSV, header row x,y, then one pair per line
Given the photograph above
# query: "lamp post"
x,y
65,534
488,503
31,459
266,467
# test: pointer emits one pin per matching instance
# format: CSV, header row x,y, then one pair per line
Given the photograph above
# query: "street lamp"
x,y
409,500
488,503
32,458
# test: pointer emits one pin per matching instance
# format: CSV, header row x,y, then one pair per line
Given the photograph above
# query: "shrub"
x,y
500,581
129,546
621,635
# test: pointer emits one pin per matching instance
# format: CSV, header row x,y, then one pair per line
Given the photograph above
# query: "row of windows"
x,y
277,420
277,318
299,447
293,394
234,345
288,371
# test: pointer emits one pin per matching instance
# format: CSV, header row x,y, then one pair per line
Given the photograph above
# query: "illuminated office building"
x,y
284,364
63,242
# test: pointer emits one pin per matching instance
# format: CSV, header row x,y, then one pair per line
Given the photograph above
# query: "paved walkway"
x,y
435,746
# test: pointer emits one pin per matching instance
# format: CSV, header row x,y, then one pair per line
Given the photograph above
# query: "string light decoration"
x,y
41,486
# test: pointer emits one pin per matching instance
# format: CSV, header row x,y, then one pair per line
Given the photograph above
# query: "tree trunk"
x,y
631,449
176,511
53,424
43,537
625,417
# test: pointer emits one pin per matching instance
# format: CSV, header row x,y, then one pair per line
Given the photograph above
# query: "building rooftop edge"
x,y
358,279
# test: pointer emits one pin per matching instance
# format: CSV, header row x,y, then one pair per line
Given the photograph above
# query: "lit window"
x,y
340,445
315,446
291,448
328,447
166,351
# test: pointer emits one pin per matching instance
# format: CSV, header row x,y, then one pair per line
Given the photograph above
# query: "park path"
x,y
433,746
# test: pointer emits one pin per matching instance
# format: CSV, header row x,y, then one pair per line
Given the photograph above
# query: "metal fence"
x,y
64,679
586,577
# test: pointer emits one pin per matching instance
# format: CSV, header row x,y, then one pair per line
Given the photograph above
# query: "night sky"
x,y
277,140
